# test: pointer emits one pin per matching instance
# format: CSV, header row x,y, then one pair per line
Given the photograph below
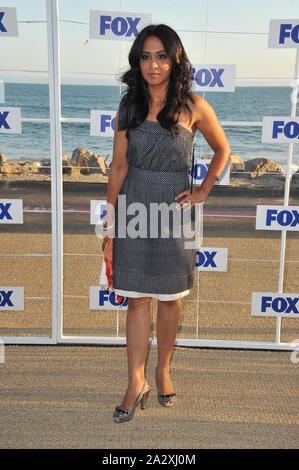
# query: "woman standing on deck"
x,y
154,130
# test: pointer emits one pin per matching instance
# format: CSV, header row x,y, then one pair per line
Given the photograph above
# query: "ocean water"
x,y
245,104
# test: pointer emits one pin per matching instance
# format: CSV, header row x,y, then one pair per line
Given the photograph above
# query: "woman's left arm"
x,y
206,121
212,131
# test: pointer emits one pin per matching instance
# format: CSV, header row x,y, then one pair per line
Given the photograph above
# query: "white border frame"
x,y
57,216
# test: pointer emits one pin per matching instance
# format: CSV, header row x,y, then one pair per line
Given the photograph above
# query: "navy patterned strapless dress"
x,y
159,169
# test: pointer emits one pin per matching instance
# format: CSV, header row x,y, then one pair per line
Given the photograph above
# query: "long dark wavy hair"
x,y
134,105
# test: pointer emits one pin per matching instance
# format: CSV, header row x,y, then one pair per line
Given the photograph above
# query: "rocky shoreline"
x,y
85,166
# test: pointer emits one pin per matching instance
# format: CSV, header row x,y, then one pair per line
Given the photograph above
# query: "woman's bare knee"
x,y
134,302
170,302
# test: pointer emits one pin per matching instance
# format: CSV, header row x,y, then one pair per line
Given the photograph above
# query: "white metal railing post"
x,y
287,193
56,166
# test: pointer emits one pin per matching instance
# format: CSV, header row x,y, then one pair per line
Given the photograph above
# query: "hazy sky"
x,y
98,61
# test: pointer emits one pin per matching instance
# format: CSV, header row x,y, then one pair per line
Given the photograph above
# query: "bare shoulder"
x,y
206,121
201,109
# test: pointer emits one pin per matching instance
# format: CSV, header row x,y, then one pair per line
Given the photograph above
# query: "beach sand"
x,y
63,397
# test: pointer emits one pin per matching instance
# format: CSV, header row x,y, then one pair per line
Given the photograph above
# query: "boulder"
x,y
260,166
45,162
66,170
13,167
32,167
93,163
2,159
236,162
10,168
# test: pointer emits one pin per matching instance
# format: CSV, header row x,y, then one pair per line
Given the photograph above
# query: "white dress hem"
x,y
163,297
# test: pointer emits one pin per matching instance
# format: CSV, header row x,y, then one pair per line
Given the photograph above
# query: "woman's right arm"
x,y
117,174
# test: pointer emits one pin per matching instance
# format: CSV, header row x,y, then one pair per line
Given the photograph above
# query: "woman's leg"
x,y
168,314
137,333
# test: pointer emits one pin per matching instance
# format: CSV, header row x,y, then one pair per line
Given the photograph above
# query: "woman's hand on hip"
x,y
189,199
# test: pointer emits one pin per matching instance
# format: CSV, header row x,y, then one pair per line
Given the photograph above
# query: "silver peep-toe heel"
x,y
165,398
121,416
